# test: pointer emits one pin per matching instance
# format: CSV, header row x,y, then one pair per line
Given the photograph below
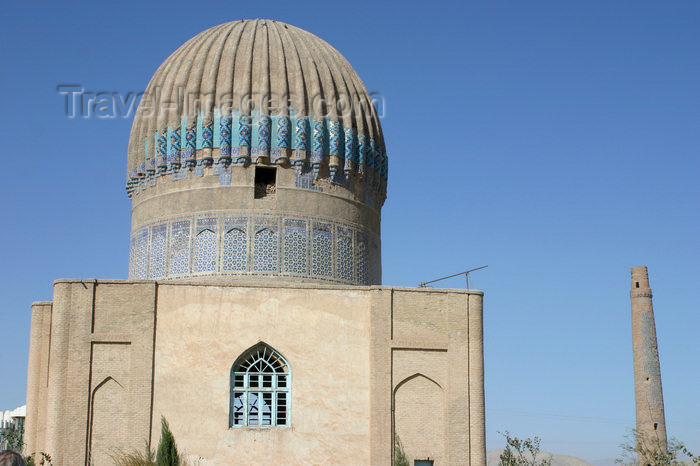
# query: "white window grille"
x,y
260,389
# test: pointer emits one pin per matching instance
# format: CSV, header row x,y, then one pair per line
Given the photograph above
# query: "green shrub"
x,y
167,450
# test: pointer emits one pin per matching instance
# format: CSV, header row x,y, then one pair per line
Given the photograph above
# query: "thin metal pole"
x,y
466,273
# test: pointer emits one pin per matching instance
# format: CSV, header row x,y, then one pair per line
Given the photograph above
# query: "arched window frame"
x,y
261,380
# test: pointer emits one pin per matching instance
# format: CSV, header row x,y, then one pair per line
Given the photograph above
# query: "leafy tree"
x,y
522,452
399,455
640,445
43,458
11,438
167,450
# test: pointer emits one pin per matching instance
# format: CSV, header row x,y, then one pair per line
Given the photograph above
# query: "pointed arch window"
x,y
260,389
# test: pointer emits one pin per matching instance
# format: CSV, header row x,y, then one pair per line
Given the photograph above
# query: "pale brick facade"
x,y
123,353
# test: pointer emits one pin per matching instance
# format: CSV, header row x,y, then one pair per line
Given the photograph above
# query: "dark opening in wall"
x,y
636,284
265,181
656,426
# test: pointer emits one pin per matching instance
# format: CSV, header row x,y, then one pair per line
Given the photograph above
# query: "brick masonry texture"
x,y
109,358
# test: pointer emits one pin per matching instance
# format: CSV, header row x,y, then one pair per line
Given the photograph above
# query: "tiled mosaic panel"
x,y
141,259
374,264
132,256
229,133
362,260
180,248
322,250
305,180
265,252
235,245
205,252
329,251
344,256
159,249
295,249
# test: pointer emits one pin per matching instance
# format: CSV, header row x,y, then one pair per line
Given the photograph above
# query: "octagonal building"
x,y
253,318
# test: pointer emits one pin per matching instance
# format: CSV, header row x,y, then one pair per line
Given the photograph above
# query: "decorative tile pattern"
x,y
159,248
163,148
179,248
350,152
235,245
141,259
295,247
208,135
132,256
363,148
344,257
179,173
305,180
225,176
334,132
265,245
322,250
244,130
301,134
240,136
317,142
205,245
225,132
362,260
270,245
174,156
283,127
237,137
264,130
190,142
375,269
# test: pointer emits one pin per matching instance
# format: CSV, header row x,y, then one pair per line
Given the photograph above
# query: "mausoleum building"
x,y
254,317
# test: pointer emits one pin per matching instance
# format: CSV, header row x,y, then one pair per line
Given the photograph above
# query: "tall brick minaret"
x,y
647,373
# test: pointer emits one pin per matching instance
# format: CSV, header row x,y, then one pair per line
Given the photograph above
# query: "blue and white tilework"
x,y
205,245
190,142
208,135
362,258
305,141
244,130
322,250
305,180
225,136
283,128
264,244
179,248
159,248
235,245
141,254
264,130
344,254
295,246
301,134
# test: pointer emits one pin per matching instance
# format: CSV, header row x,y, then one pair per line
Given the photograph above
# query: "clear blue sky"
x,y
555,141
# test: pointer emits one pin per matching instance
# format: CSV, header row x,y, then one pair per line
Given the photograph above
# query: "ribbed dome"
x,y
257,89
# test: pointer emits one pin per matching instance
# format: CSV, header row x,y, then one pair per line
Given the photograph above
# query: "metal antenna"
x,y
465,273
